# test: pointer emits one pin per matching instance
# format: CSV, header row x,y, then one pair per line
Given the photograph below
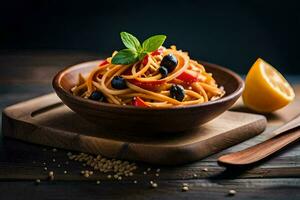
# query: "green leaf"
x,y
125,57
153,43
142,55
130,41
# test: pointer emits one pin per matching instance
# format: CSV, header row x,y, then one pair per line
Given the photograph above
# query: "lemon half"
x,y
266,90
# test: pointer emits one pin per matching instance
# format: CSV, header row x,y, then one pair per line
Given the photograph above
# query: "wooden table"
x,y
28,74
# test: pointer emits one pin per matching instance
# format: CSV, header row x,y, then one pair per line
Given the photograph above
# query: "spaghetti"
x,y
147,83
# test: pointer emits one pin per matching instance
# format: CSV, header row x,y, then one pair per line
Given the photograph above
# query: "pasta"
x,y
147,82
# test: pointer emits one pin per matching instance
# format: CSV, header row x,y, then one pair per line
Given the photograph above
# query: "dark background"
x,y
230,33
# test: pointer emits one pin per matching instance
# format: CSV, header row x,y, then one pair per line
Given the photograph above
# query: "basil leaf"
x,y
153,43
125,57
130,41
142,55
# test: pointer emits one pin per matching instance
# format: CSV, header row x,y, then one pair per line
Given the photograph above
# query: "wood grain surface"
x,y
21,163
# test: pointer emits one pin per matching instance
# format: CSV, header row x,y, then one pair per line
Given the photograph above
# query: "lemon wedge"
x,y
266,90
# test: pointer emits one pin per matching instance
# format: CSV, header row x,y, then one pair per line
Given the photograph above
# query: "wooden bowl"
x,y
139,120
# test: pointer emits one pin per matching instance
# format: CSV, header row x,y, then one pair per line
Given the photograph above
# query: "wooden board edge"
x,y
193,152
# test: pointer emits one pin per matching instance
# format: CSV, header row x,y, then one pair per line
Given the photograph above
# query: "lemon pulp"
x,y
266,90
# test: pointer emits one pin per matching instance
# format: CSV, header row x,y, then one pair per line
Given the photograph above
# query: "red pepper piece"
x,y
104,62
137,101
189,76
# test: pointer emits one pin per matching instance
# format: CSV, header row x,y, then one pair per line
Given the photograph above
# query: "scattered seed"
x,y
97,182
105,165
120,178
91,172
151,182
154,185
44,163
157,174
185,188
149,169
51,175
205,169
82,172
44,149
158,170
66,162
58,165
54,150
69,154
53,160
65,172
86,175
145,173
135,182
185,184
109,176
45,168
231,192
195,175
37,181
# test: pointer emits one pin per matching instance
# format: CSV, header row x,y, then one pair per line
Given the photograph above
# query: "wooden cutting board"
x,y
46,120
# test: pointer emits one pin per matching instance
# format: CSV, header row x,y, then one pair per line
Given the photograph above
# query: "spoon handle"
x,y
266,148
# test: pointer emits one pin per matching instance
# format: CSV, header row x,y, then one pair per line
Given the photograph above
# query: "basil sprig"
x,y
135,51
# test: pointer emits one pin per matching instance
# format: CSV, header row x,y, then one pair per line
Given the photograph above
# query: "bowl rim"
x,y
60,90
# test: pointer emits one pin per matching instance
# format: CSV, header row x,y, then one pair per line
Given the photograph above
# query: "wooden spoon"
x,y
284,135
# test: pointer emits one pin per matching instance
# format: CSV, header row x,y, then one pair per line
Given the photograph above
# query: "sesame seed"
x,y
185,184
58,165
231,192
205,169
37,181
45,168
120,178
154,185
135,181
195,175
86,175
53,160
185,188
158,170
157,174
109,176
54,150
97,182
65,172
51,175
149,169
145,173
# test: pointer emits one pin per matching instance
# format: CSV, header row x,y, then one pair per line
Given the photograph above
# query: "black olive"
x,y
118,83
177,92
163,71
170,62
97,96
